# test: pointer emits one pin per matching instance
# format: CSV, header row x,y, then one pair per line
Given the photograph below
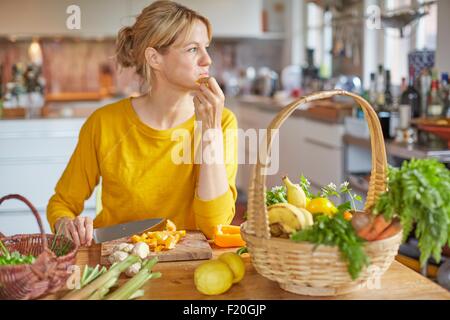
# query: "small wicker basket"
x,y
47,274
303,268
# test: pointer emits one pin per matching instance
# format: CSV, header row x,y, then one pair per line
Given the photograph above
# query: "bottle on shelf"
x,y
380,87
388,99
411,96
384,101
403,85
373,90
435,103
425,85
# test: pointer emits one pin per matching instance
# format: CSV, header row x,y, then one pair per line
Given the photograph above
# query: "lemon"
x,y
321,205
235,263
213,277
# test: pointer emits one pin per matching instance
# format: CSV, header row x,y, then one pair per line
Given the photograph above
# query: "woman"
x,y
131,145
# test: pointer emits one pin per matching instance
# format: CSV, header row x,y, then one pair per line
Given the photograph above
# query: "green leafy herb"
x,y
331,190
419,193
62,247
306,185
276,195
336,231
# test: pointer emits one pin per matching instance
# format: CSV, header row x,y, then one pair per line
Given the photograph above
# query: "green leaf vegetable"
x,y
419,194
14,258
336,231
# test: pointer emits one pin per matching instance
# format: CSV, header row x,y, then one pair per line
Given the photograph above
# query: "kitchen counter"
x,y
65,109
328,111
403,150
399,282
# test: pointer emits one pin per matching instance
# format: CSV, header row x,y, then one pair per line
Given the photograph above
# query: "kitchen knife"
x,y
124,230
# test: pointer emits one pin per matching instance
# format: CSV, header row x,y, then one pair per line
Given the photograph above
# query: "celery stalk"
x,y
131,286
137,294
99,282
103,291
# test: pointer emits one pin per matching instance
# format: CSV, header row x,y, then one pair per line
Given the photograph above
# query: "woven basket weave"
x,y
46,275
303,268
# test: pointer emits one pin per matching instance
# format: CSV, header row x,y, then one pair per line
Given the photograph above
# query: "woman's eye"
x,y
194,49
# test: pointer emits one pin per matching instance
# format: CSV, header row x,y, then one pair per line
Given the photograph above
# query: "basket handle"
x,y
257,220
35,213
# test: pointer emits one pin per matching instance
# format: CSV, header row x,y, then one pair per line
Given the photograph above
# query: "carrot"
x,y
390,231
364,231
378,226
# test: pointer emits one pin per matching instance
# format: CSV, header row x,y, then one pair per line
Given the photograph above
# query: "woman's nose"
x,y
205,59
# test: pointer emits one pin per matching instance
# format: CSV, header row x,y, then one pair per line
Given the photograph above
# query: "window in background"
x,y
418,35
319,37
396,49
325,70
426,34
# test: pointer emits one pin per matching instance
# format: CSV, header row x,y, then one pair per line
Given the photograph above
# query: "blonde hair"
x,y
158,26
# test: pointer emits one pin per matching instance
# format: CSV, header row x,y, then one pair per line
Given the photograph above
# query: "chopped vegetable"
x,y
141,250
117,256
125,247
228,236
133,269
161,240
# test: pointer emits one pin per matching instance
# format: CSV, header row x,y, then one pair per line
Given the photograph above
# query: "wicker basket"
x,y
303,268
46,275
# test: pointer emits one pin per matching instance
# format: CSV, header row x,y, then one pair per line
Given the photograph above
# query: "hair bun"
x,y
124,47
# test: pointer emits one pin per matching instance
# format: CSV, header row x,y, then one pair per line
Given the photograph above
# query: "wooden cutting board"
x,y
193,246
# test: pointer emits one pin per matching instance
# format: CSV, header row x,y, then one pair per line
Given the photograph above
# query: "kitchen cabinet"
x,y
100,18
229,18
104,18
34,154
305,146
250,120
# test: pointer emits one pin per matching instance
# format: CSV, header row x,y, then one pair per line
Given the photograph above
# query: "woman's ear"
x,y
153,58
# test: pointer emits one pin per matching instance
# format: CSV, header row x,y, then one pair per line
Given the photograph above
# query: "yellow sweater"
x,y
139,178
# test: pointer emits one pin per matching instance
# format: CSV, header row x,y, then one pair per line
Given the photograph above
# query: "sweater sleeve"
x,y
221,210
79,177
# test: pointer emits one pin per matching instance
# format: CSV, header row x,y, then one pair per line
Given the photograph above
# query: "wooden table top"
x,y
177,282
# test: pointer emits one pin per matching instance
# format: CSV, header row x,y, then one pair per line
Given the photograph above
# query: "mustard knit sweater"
x,y
140,178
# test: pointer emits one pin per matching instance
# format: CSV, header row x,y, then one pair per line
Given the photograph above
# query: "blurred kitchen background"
x,y
265,54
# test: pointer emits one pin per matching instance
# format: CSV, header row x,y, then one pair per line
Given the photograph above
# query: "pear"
x,y
295,193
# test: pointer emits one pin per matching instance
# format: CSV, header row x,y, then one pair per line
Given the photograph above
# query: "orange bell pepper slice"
x,y
228,236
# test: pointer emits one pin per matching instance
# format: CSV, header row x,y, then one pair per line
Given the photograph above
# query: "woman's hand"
x,y
209,103
80,229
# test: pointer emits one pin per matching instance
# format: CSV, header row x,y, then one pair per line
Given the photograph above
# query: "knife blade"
x,y
124,229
